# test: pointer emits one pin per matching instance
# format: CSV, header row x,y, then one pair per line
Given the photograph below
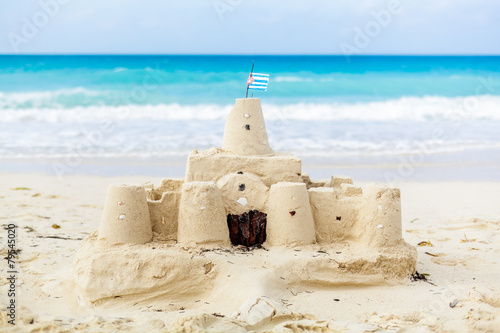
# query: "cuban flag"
x,y
257,81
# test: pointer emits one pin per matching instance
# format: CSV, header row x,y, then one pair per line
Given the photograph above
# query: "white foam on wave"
x,y
124,112
427,108
405,108
14,101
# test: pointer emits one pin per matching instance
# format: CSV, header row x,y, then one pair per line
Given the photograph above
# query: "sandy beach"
x,y
456,224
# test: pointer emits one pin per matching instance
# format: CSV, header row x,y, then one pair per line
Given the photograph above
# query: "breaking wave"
x,y
45,107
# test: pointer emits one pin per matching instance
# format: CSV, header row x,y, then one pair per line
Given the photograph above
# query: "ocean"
x,y
417,117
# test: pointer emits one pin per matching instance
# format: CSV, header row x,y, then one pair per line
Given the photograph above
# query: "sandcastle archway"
x,y
245,199
247,229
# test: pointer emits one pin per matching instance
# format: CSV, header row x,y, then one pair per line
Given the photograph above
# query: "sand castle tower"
x,y
125,218
245,131
290,218
202,218
381,215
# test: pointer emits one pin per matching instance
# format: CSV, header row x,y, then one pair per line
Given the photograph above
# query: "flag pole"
x,y
253,63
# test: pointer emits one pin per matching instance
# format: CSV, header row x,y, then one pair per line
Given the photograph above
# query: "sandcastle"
x,y
167,240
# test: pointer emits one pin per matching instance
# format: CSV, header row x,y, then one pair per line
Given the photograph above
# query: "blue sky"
x,y
250,27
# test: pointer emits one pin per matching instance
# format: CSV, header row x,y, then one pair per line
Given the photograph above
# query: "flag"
x,y
258,81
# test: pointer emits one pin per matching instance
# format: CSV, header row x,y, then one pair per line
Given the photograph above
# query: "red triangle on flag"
x,y
250,80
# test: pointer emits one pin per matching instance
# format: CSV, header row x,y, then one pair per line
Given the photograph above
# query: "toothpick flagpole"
x,y
248,84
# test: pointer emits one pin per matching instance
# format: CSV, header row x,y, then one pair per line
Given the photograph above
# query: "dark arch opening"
x,y
247,229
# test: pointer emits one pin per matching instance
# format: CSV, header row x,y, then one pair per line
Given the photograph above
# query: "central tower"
x,y
245,131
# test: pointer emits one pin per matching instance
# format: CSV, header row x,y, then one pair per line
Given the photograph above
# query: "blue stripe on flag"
x,y
257,88
260,82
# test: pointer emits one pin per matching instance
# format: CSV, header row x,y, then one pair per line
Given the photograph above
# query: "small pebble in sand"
x,y
122,217
454,303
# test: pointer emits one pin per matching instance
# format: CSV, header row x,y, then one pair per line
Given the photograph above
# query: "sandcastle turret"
x,y
245,131
290,217
125,218
381,216
202,217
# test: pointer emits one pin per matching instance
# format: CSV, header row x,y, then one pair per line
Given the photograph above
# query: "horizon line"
x,y
255,55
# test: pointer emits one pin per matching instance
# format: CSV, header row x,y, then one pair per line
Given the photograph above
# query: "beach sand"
x,y
460,219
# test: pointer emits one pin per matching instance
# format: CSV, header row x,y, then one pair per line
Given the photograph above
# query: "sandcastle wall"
x,y
163,203
197,211
335,208
346,213
216,163
335,215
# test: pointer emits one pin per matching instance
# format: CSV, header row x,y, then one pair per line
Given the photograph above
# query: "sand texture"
x,y
457,225
177,272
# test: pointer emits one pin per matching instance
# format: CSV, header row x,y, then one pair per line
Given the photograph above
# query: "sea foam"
x,y
43,107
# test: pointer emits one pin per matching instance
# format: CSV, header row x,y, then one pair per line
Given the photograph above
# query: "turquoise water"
x,y
103,80
315,106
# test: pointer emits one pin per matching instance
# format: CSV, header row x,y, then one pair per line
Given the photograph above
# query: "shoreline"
x,y
481,165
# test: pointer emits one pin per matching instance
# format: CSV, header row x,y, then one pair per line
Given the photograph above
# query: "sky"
x,y
421,27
